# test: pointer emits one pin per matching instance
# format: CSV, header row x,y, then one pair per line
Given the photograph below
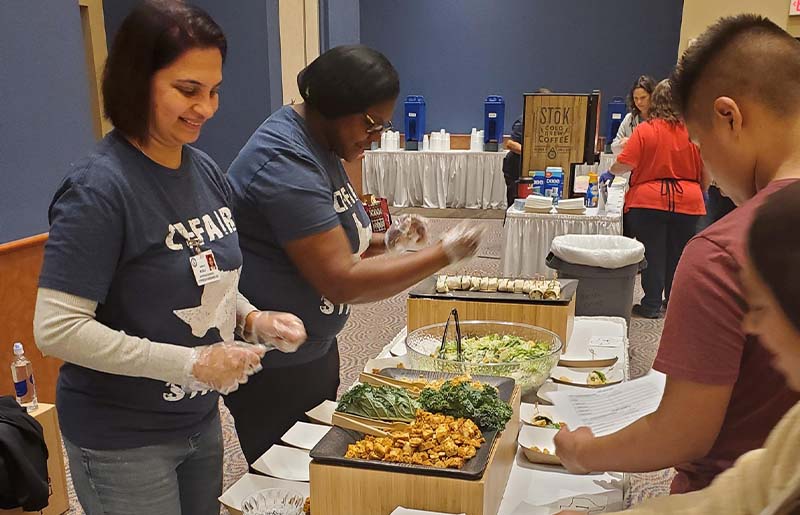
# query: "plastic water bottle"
x,y
22,375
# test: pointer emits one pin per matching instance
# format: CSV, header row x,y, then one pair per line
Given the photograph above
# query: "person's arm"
x,y
630,156
664,434
623,133
513,146
326,261
620,168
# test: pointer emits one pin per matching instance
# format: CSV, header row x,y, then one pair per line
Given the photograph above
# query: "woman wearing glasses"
x,y
303,233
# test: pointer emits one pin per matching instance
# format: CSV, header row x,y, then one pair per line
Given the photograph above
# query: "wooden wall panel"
x,y
20,263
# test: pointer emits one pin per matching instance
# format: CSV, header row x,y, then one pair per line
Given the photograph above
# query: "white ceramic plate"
x,y
399,348
527,411
323,413
580,376
381,363
284,463
549,387
304,435
249,484
530,436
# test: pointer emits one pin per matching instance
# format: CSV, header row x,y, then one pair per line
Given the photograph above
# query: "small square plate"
x,y
304,435
323,414
284,463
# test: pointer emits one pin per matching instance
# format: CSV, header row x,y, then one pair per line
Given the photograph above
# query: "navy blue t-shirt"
x,y
287,187
512,162
119,224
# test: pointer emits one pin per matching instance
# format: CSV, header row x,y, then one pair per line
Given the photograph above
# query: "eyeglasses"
x,y
375,127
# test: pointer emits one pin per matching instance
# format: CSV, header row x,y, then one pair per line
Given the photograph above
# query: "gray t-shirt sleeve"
x,y
295,196
85,242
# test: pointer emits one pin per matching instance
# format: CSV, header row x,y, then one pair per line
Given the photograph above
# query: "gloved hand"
x,y
407,232
462,241
282,331
607,177
223,366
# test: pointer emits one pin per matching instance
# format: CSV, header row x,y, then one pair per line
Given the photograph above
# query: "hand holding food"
x,y
407,232
570,448
223,366
462,241
283,331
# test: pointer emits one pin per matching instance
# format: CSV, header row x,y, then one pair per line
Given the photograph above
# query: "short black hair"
x,y
745,54
774,248
150,38
347,80
645,82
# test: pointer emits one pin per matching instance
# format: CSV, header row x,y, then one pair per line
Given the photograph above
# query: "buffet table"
x,y
448,179
527,236
531,489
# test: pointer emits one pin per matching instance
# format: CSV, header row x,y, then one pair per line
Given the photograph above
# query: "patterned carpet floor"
x,y
371,326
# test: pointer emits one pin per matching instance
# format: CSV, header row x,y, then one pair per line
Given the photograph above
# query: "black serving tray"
x,y
427,289
333,446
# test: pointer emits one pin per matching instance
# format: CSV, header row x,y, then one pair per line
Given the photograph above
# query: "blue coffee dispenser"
x,y
414,121
494,109
617,109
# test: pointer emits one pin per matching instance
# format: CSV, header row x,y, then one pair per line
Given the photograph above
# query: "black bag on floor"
x,y
23,459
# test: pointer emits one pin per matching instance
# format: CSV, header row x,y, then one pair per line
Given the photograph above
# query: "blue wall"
x,y
251,87
339,23
45,120
456,52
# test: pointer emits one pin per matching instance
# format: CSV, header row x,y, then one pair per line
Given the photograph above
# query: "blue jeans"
x,y
182,476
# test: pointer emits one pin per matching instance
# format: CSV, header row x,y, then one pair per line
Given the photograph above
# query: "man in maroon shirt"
x,y
737,87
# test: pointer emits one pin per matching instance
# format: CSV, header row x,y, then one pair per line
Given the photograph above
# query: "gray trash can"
x,y
605,290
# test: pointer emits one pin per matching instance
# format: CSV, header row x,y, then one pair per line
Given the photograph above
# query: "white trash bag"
x,y
598,250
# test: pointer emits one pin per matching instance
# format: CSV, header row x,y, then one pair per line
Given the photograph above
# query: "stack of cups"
x,y
426,142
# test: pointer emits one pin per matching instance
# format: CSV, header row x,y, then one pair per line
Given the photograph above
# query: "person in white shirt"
x,y
639,105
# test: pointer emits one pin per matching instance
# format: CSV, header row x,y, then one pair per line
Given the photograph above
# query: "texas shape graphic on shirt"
x,y
217,307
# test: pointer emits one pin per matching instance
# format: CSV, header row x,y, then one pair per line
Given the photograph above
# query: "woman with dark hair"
x,y
763,481
665,198
138,291
639,110
303,232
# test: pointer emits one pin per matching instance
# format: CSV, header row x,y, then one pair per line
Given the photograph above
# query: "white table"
x,y
542,490
455,178
527,236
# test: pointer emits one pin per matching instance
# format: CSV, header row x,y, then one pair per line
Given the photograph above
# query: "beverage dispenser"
x,y
494,109
414,121
617,109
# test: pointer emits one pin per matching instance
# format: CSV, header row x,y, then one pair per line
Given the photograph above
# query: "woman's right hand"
x,y
224,366
462,241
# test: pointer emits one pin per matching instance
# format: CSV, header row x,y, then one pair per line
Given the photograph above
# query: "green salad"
x,y
495,348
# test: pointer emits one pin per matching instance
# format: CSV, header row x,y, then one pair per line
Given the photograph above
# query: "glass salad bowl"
x,y
523,352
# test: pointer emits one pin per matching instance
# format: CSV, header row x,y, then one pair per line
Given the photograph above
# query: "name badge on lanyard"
x,y
203,263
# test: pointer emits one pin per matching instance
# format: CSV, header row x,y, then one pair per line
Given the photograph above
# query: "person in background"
x,y
735,90
665,199
717,206
639,111
765,480
303,233
512,162
147,343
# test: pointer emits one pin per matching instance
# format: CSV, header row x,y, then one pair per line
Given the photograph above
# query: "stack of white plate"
x,y
572,206
538,204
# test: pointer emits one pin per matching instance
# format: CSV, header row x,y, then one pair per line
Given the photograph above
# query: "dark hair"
x,y
774,248
347,80
770,69
645,82
150,38
661,103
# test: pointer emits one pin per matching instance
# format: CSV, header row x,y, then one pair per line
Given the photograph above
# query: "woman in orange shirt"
x,y
665,199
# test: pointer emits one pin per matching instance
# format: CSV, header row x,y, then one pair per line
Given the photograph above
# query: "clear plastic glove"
x,y
407,232
223,366
606,177
282,331
462,241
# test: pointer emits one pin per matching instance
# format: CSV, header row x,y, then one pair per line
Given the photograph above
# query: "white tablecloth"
x,y
541,489
456,179
527,236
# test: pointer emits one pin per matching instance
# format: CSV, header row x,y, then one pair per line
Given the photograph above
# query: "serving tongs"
x,y
368,426
413,387
459,353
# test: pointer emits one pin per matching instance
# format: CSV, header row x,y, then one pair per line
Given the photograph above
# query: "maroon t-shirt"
x,y
703,342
